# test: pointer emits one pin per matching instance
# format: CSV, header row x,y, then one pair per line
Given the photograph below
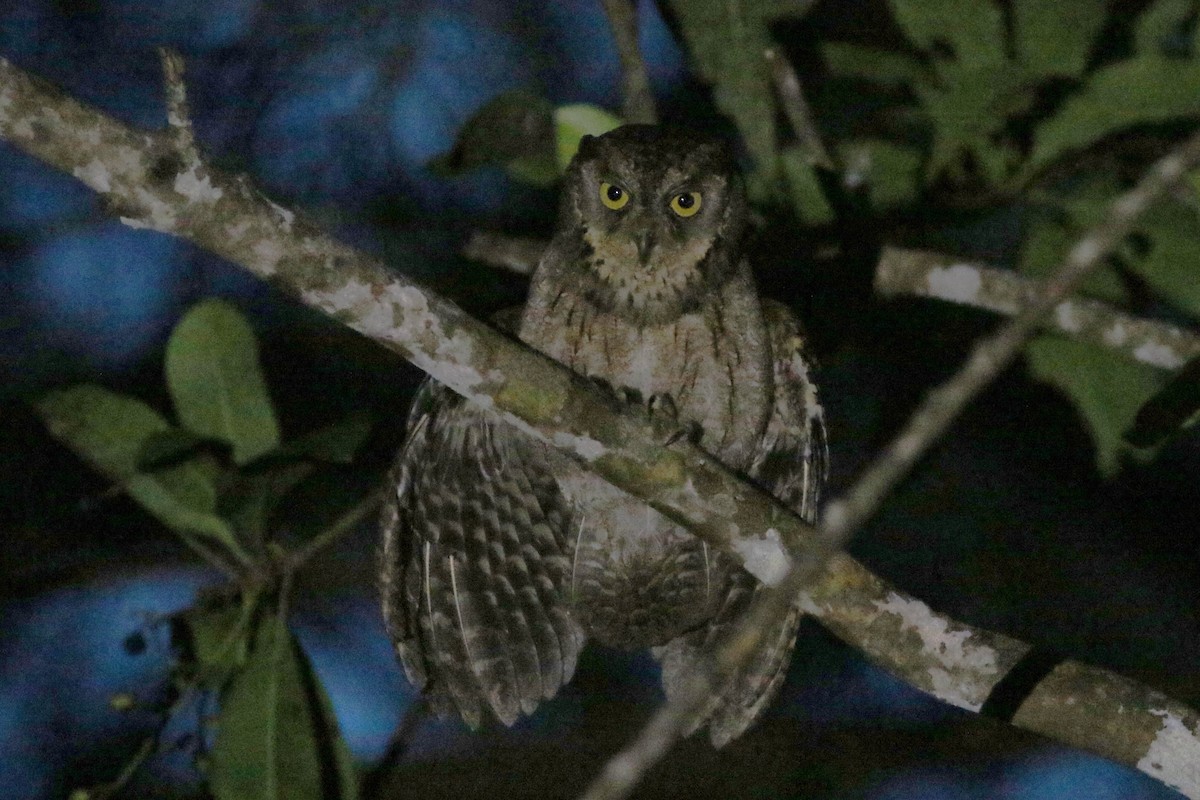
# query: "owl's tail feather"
x,y
746,695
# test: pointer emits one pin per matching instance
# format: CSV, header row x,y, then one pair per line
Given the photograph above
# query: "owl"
x,y
500,556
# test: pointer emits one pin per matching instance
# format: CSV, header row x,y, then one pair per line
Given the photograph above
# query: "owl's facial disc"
x,y
659,214
648,236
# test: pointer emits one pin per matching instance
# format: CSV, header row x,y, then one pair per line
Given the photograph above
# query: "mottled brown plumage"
x,y
500,555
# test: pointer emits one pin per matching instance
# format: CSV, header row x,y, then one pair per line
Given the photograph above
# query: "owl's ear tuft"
x,y
587,145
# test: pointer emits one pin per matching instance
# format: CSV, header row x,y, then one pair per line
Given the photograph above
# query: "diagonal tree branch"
x,y
144,182
922,273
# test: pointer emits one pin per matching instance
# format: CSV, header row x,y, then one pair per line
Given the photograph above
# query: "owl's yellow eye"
x,y
613,196
686,204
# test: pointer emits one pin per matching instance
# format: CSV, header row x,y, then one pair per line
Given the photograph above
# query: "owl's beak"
x,y
644,243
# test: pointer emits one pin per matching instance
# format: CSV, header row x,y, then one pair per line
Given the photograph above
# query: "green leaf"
x,y
807,196
974,29
1106,388
516,130
109,431
1173,409
274,741
336,443
968,107
573,122
1055,38
253,497
219,634
885,67
1171,265
1161,21
337,754
167,448
214,377
726,40
1117,97
891,171
1048,239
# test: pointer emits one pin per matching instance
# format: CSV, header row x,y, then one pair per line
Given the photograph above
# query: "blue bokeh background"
x,y
334,107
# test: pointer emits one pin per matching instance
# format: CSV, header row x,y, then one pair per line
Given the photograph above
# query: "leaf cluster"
x,y
1017,110
213,477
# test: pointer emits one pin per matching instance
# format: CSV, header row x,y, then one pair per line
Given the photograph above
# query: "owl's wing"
x,y
792,463
472,565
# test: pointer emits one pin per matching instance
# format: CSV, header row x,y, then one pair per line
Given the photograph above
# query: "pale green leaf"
x,y
885,67
1159,23
273,738
1115,98
973,29
1174,409
168,447
573,122
1106,388
109,431
1055,38
807,196
216,382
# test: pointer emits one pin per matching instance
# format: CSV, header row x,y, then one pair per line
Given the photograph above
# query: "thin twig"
x,y
104,791
638,101
340,527
515,253
847,514
376,781
799,114
179,118
186,692
209,555
923,273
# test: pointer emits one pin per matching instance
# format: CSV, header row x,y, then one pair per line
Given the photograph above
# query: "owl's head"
x,y
660,214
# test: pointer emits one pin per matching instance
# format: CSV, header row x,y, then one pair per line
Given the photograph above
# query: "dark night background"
x,y
334,108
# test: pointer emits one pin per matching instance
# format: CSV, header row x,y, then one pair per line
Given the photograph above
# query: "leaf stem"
x,y
340,527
